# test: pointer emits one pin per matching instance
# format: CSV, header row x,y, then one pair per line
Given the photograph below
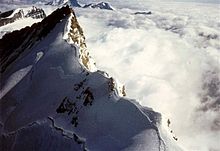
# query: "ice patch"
x,y
39,56
14,79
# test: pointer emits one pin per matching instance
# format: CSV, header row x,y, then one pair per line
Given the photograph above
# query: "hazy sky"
x,y
203,1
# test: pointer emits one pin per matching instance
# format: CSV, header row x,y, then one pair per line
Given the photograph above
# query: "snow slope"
x,y
53,99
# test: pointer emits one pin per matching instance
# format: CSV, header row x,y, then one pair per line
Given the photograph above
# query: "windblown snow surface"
x,y
169,60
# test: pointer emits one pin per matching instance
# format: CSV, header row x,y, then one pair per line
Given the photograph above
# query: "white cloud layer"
x,y
169,60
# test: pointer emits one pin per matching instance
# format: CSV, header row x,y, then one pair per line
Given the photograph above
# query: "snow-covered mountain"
x,y
73,3
57,2
13,15
100,5
53,98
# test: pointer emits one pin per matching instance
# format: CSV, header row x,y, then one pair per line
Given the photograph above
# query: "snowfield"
x,y
168,60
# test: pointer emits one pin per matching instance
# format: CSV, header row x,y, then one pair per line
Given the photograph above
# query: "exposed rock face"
x,y
6,14
76,36
13,15
36,13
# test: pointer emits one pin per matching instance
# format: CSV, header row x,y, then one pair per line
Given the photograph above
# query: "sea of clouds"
x,y
169,60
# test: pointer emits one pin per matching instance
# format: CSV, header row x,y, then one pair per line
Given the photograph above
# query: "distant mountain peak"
x,y
100,5
73,3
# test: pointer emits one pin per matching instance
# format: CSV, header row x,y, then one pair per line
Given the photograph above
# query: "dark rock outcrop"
x,y
143,13
4,20
6,14
36,13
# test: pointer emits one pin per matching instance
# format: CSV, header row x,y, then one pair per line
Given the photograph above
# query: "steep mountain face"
x,y
53,98
74,3
13,15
